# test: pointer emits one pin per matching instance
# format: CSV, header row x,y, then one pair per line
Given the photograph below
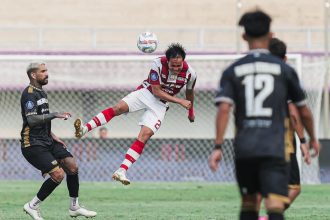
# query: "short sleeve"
x,y
192,81
295,92
154,75
225,91
29,104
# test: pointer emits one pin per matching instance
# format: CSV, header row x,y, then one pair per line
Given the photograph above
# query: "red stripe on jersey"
x,y
89,127
108,114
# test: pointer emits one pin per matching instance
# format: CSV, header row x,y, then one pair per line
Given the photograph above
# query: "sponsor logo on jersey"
x,y
54,162
153,76
44,110
42,101
29,105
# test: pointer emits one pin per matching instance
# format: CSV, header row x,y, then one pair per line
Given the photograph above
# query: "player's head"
x,y
277,48
103,133
37,72
175,55
256,26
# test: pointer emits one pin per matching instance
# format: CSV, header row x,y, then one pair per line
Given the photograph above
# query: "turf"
x,y
156,201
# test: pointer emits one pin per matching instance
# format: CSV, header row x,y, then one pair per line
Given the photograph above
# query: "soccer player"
x,y
278,49
167,76
259,85
42,148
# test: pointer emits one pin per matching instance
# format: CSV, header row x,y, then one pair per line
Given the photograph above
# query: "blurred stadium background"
x,y
90,48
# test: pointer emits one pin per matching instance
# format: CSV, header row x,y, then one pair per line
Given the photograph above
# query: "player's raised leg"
x,y
132,155
100,119
33,207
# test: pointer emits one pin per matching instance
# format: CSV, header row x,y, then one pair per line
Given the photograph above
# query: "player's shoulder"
x,y
189,68
160,60
28,90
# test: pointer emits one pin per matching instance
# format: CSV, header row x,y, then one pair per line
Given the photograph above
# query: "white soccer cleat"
x,y
34,213
120,175
81,211
80,129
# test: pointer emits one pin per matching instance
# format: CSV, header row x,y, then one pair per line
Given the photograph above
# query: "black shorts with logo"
x,y
45,158
266,175
294,173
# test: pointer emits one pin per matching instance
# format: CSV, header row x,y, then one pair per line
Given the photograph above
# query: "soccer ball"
x,y
147,42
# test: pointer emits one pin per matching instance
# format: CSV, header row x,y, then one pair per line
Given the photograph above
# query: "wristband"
x,y
302,140
191,112
217,147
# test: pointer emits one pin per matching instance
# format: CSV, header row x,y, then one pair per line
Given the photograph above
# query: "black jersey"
x,y
259,85
34,102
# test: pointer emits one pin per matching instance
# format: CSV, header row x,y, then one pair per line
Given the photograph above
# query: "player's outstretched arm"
x,y
222,119
299,128
157,91
190,95
308,122
34,120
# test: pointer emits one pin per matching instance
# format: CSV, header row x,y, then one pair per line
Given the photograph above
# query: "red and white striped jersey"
x,y
170,83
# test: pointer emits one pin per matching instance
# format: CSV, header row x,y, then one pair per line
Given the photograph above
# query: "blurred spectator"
x,y
103,133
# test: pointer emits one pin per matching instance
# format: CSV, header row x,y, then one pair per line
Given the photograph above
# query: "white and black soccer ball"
x,y
147,42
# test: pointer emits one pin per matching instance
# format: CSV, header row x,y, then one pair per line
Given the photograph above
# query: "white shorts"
x,y
154,109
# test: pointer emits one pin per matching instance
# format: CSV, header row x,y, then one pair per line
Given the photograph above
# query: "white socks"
x,y
35,202
74,204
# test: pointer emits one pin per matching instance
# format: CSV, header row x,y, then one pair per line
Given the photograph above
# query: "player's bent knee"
x,y
120,108
249,203
57,175
274,203
73,169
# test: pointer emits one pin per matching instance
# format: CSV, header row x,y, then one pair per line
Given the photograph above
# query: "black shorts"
x,y
294,173
45,158
268,176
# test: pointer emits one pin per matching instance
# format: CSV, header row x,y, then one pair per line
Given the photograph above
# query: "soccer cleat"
x,y
34,213
120,175
81,211
80,130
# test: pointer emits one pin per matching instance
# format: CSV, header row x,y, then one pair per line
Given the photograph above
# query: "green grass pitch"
x,y
154,201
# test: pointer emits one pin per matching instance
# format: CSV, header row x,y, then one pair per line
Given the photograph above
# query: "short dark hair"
x,y
256,24
277,48
175,50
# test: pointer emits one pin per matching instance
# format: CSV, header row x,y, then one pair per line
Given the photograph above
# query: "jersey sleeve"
x,y
295,92
192,81
29,104
154,74
225,91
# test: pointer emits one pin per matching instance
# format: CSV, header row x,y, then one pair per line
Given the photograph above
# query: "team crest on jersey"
x,y
153,76
29,105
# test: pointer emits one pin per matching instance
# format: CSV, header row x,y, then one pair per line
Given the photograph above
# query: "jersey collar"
x,y
261,50
35,88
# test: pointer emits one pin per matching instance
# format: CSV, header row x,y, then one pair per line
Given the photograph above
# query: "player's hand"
x,y
316,147
63,115
215,159
186,104
191,118
191,115
305,153
60,141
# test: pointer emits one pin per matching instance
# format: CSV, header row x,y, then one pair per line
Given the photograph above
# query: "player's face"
x,y
175,65
42,75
